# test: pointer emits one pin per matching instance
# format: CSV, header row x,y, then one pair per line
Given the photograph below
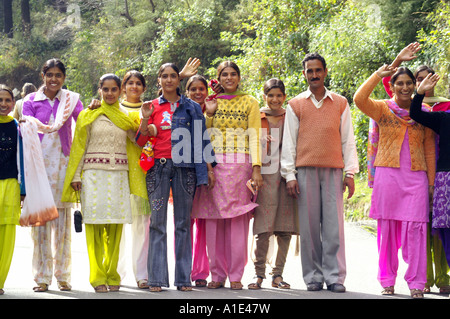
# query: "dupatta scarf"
x,y
372,144
39,205
120,119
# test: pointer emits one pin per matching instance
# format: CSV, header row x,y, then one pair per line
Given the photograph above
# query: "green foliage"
x,y
273,39
188,33
354,46
357,207
405,17
436,45
265,38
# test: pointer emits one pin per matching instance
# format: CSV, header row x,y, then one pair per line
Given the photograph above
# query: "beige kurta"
x,y
277,211
105,192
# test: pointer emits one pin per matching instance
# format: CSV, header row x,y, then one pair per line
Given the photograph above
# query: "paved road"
x,y
361,280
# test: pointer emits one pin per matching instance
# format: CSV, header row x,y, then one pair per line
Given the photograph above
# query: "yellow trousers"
x,y
103,243
7,241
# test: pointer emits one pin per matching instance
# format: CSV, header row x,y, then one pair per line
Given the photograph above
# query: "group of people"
x,y
222,160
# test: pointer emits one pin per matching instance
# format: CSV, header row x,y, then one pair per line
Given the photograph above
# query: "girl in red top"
x,y
173,120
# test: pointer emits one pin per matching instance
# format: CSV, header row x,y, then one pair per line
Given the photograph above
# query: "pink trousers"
x,y
200,263
412,238
227,244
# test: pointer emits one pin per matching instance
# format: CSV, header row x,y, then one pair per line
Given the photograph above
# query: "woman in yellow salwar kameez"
x,y
103,167
12,186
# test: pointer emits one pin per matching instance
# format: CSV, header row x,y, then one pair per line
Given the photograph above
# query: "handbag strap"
x,y
77,194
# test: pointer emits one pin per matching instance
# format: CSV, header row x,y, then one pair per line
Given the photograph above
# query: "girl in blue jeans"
x,y
178,127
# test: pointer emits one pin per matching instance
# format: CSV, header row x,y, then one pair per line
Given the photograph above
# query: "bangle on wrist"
x,y
350,175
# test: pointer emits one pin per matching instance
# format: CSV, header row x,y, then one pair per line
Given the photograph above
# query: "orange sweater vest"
x,y
319,138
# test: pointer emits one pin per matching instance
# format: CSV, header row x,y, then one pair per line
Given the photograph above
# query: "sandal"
x,y
2,292
114,288
416,294
426,290
236,285
101,289
257,284
201,283
184,288
155,288
215,284
41,288
282,284
388,290
64,286
142,284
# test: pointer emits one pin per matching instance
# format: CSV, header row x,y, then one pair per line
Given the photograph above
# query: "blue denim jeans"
x,y
160,178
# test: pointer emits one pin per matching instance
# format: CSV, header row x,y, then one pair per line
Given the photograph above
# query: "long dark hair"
x,y
194,78
226,64
423,68
161,70
400,71
136,74
109,76
273,84
52,63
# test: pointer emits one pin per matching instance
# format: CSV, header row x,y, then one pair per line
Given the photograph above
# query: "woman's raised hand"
x,y
386,70
409,52
147,109
428,83
211,107
190,68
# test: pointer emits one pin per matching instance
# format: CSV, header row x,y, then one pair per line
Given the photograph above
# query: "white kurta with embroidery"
x,y
105,190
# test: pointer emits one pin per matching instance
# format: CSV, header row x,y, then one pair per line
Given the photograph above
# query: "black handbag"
x,y
78,217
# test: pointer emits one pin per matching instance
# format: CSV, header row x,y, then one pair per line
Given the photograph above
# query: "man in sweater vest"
x,y
319,161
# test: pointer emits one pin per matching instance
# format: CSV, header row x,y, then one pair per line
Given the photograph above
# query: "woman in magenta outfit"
x,y
227,208
197,90
405,169
437,267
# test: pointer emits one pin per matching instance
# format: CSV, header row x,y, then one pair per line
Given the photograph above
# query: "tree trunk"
x,y
8,18
26,19
153,6
127,14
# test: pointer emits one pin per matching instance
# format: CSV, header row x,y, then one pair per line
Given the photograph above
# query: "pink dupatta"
x,y
372,143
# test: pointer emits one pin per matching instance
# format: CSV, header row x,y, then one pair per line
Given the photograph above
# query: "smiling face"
x,y
229,79
133,89
275,98
53,80
315,74
110,91
197,92
403,88
6,103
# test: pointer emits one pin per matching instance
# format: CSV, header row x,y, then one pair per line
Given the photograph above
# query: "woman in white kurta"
x,y
104,167
44,106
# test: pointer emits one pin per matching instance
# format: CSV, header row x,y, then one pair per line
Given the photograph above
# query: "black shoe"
x,y
314,286
336,288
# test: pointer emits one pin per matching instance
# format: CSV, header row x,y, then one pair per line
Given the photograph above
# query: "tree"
x,y
436,46
26,17
8,25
